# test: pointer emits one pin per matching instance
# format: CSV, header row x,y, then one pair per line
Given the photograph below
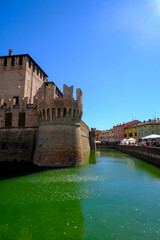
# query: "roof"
x,y
150,122
26,55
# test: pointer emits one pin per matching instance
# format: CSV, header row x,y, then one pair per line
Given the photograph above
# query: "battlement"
x,y
52,108
10,103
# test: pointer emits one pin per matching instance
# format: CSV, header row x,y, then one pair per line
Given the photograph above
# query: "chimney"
x,y
10,52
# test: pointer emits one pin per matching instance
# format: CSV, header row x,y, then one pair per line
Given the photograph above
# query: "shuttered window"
x,y
8,120
21,121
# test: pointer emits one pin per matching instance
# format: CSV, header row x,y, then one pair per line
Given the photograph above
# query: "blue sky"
x,y
108,48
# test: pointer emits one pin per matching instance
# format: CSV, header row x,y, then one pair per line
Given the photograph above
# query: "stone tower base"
x,y
58,145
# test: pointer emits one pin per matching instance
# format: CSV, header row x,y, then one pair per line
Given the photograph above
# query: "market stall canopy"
x,y
124,140
152,136
132,140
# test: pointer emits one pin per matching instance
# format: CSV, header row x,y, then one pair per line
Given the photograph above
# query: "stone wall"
x,y
17,144
151,155
33,81
58,145
12,79
84,137
30,111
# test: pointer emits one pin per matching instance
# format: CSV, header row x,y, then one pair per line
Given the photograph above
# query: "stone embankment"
x,y
148,154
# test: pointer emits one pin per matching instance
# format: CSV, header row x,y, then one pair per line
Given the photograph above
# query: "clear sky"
x,y
108,48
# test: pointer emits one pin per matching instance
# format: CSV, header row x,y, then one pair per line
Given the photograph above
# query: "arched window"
x,y
74,113
48,114
53,113
44,114
64,113
59,112
70,112
40,114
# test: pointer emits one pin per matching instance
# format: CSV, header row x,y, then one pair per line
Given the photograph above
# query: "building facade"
x,y
118,133
119,130
111,135
97,135
131,132
39,123
104,136
148,127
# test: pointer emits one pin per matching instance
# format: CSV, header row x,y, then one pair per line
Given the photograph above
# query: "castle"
x,y
39,123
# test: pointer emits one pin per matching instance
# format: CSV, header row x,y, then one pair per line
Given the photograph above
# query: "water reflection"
x,y
113,155
92,159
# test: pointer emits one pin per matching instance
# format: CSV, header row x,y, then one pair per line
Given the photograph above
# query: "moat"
x,y
114,196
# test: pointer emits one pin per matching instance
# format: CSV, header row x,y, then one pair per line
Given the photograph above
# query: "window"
x,y
8,120
135,134
21,120
48,114
5,62
30,63
64,112
24,146
145,133
139,134
53,113
74,113
17,100
59,112
20,60
70,112
12,61
130,135
5,146
152,132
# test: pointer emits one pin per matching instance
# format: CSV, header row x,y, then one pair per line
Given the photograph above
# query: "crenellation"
x,y
67,92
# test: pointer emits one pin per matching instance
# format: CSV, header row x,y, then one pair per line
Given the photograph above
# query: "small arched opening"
x,y
48,114
59,113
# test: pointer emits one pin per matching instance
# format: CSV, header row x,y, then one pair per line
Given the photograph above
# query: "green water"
x,y
115,196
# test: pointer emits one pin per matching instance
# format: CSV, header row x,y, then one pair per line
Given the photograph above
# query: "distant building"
x,y
111,135
148,127
131,132
97,135
104,136
119,133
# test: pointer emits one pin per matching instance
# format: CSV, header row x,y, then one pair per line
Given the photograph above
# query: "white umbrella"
x,y
124,140
132,140
152,136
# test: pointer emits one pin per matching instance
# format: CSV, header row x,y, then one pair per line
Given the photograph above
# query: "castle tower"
x,y
59,139
20,77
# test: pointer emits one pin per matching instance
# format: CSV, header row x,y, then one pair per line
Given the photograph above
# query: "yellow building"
x,y
131,132
111,135
148,127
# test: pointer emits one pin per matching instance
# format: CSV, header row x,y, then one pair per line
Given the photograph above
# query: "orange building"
x,y
119,133
97,135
